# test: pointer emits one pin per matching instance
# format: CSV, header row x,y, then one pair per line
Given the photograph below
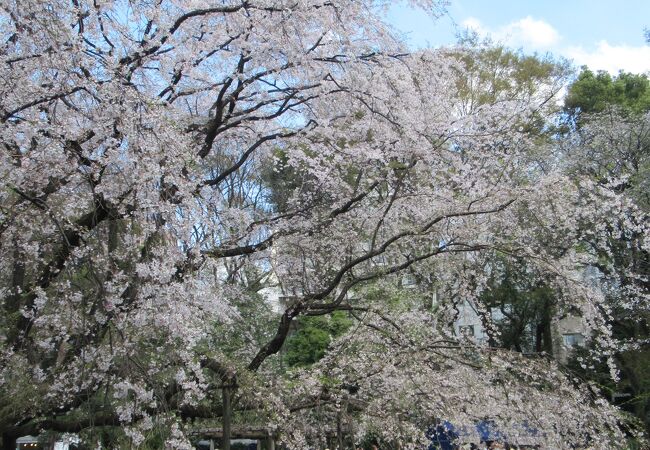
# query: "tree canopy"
x,y
594,92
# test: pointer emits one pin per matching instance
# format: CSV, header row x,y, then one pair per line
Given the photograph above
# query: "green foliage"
x,y
594,92
373,440
395,297
525,304
281,179
631,392
115,437
493,73
617,104
244,336
309,342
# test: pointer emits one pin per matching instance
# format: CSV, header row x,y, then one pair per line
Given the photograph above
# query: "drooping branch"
x,y
307,303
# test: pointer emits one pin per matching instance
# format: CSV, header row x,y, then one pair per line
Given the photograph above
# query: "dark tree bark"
x,y
227,414
8,442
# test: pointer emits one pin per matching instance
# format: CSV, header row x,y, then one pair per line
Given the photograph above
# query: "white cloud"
x,y
529,33
474,24
612,58
534,32
537,35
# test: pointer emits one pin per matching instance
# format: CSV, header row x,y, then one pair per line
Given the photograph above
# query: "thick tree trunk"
x,y
547,332
544,332
538,338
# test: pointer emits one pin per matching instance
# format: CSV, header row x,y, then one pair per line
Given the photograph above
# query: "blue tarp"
x,y
446,436
443,436
487,431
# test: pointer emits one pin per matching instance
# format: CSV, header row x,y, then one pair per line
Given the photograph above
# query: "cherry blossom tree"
x,y
139,211
611,147
393,380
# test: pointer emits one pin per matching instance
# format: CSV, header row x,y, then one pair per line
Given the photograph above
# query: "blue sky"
x,y
604,35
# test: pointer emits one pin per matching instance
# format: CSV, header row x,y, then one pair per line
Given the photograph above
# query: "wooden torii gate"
x,y
265,437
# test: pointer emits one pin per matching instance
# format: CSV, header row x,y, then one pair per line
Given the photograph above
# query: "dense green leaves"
x,y
594,92
493,73
309,342
522,308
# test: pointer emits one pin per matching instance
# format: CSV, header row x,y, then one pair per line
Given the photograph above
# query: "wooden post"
x,y
211,444
340,438
227,413
339,432
8,442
